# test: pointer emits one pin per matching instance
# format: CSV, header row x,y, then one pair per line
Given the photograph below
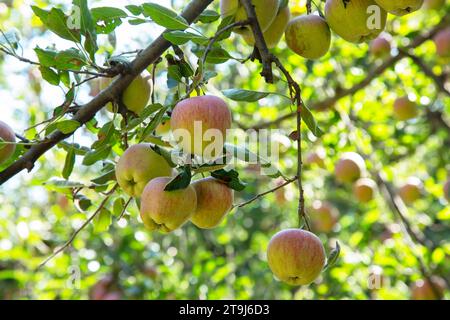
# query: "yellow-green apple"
x,y
349,167
296,256
400,7
214,201
7,135
137,166
433,4
411,190
356,20
166,210
423,290
442,43
405,109
275,31
323,216
199,125
163,128
447,190
266,11
309,36
380,47
364,189
136,96
316,157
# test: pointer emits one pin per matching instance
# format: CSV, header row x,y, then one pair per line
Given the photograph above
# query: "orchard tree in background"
x,y
154,187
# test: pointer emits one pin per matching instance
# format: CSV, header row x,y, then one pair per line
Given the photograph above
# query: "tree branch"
x,y
86,112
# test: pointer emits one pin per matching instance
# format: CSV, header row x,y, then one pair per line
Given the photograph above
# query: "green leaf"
x,y
225,22
49,75
135,22
181,181
55,184
46,57
102,221
153,123
165,17
135,10
244,95
231,178
104,178
208,16
87,28
215,56
334,255
68,164
83,202
107,18
308,118
95,155
181,37
56,21
118,206
67,126
70,59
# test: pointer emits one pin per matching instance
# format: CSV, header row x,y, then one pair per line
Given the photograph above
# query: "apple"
x,y
433,4
137,166
214,201
405,109
364,189
380,47
163,128
411,190
266,11
316,157
275,31
104,289
323,216
442,43
309,36
135,97
422,289
353,21
7,135
349,167
199,125
447,190
400,7
296,256
166,210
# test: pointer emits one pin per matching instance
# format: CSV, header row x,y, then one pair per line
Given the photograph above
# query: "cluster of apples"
x,y
142,172
309,36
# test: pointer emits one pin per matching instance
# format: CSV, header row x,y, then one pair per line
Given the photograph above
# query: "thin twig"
x,y
84,225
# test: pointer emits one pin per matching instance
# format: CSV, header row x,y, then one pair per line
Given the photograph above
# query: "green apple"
x,y
400,7
405,109
214,201
137,166
136,96
423,290
309,36
296,256
380,47
266,11
166,210
349,167
323,216
364,189
434,4
199,125
7,135
275,31
354,21
442,43
411,190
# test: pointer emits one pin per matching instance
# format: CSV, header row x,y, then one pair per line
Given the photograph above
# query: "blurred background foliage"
x,y
229,261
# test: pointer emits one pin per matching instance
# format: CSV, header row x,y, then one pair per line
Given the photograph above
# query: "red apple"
x,y
323,216
7,135
296,256
199,125
442,42
349,167
380,47
411,190
364,189
423,290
